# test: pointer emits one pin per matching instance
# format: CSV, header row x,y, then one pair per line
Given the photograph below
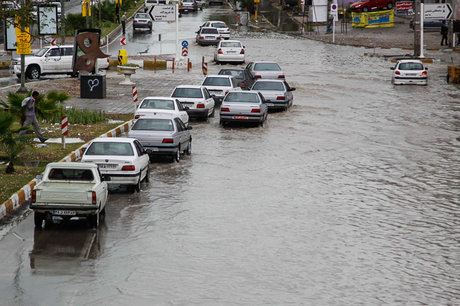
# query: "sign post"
x,y
166,12
334,13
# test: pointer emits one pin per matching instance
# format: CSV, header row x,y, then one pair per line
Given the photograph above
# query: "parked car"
x,y
160,106
142,21
163,136
229,51
277,93
429,24
68,190
188,6
410,71
371,5
207,36
220,85
243,106
265,70
122,159
50,60
221,27
242,76
220,2
199,101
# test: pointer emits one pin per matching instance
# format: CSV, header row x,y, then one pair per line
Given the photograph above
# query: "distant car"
x,y
241,75
221,26
163,136
208,36
160,106
200,4
189,6
429,24
243,106
265,70
142,21
277,93
371,5
199,101
229,51
122,159
409,71
220,2
220,85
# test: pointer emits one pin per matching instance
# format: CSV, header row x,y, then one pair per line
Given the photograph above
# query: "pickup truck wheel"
x,y
38,219
33,72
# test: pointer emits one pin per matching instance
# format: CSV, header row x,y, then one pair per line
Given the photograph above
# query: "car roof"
x,y
410,61
113,139
153,117
72,165
231,69
157,98
220,21
208,28
269,80
264,62
232,40
218,76
188,86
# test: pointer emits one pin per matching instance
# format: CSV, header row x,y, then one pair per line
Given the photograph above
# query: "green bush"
x,y
79,116
74,22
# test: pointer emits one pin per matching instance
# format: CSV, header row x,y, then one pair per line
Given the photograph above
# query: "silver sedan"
x,y
243,106
277,93
163,137
265,70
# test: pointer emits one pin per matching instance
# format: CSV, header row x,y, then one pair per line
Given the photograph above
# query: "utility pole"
x,y
62,22
22,88
417,26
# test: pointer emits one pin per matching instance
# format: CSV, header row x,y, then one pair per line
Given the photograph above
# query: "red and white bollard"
x,y
64,123
135,98
204,66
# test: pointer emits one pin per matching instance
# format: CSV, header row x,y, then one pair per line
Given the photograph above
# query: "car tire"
x,y
33,72
137,187
365,9
189,148
93,220
389,5
177,155
38,219
213,112
147,176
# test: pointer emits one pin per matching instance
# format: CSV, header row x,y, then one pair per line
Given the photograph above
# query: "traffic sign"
x,y
53,42
123,41
185,44
163,12
184,51
333,8
437,11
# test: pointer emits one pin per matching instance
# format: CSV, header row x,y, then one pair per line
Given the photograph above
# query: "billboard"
x,y
47,20
380,19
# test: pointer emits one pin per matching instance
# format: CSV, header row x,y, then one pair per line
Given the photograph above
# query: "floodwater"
x,y
349,198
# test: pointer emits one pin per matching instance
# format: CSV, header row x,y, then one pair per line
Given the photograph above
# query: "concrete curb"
x,y
22,196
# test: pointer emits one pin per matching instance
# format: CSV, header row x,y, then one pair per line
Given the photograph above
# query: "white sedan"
x,y
265,70
122,159
229,51
199,101
221,27
162,107
244,106
409,72
220,85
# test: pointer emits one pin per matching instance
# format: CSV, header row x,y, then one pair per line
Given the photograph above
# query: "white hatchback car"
x,y
122,159
162,106
220,85
230,51
221,27
409,71
199,101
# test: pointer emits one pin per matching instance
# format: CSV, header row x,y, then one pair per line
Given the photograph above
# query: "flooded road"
x,y
349,198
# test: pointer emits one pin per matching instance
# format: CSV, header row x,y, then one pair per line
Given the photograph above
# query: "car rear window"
x,y
235,73
230,44
194,93
410,66
268,86
213,81
70,174
142,16
219,25
110,148
209,31
242,97
157,104
266,67
153,125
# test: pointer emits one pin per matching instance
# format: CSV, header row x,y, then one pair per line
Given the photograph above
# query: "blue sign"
x,y
185,44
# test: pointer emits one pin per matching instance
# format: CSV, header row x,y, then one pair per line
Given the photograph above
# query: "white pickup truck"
x,y
50,60
68,190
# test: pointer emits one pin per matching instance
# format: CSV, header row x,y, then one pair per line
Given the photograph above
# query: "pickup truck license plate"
x,y
240,117
64,212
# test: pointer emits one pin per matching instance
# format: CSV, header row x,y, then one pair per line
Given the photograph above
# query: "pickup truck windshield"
x,y
110,148
71,174
41,52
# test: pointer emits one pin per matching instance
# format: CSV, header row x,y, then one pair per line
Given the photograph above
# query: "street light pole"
x,y
62,22
417,28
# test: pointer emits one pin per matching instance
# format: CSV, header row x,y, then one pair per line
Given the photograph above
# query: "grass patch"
x,y
10,183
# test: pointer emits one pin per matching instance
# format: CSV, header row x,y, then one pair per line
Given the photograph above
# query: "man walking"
x,y
444,31
31,118
123,23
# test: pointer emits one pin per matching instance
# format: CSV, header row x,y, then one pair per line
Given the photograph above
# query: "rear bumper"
x,y
409,80
230,58
123,179
241,118
162,150
79,209
142,26
197,113
279,104
207,42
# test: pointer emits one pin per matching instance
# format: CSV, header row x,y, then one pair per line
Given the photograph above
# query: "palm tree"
x,y
10,143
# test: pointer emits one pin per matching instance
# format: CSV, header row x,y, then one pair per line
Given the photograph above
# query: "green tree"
x,y
10,143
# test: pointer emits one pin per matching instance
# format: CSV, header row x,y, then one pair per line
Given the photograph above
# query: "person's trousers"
x,y
33,120
444,39
123,25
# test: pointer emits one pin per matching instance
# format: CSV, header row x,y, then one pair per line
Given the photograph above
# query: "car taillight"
x,y
108,60
220,51
281,76
397,72
424,73
218,37
226,92
138,116
201,37
224,109
280,98
257,76
128,168
200,105
242,51
167,140
255,110
94,198
150,21
34,196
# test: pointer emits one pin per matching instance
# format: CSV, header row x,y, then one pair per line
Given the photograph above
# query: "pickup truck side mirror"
x,y
105,178
426,68
84,149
